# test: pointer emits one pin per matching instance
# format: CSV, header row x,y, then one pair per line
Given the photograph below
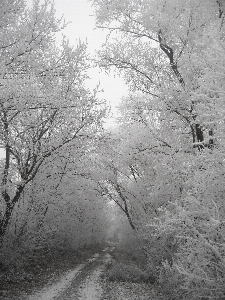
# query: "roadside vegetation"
x,y
127,275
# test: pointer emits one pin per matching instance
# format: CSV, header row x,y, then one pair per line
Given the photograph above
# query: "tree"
x,y
174,198
160,52
44,105
171,53
60,210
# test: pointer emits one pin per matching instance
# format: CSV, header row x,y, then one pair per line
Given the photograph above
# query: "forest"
x,y
152,184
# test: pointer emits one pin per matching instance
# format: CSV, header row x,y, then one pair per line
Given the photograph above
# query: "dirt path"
x,y
81,283
88,281
49,293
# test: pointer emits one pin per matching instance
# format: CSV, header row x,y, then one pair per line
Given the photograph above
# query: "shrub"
x,y
120,271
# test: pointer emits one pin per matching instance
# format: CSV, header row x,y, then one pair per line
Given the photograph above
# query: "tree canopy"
x,y
67,181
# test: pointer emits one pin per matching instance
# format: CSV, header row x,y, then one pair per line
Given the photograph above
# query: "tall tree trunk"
x,y
197,132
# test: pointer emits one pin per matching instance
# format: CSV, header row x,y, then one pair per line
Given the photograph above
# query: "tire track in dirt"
x,y
81,283
56,290
87,284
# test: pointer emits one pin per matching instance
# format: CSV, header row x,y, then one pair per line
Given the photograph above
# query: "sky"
x,y
80,14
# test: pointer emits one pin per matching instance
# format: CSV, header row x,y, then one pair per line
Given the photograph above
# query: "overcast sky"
x,y
81,15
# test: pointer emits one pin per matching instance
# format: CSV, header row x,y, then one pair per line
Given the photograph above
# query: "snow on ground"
x,y
49,292
91,284
93,258
91,288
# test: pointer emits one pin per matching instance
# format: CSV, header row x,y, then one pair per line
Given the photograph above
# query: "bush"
x,y
120,271
171,281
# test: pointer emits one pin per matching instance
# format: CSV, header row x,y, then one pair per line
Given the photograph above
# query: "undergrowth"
x,y
125,268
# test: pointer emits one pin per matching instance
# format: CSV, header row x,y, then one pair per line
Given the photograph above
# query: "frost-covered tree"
x,y
173,52
173,199
44,105
160,47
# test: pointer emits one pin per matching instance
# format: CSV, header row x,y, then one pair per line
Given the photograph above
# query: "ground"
x,y
88,277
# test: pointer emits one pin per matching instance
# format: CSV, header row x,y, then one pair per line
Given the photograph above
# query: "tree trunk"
x,y
4,222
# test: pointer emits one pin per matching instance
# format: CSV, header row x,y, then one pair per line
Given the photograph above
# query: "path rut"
x,y
82,283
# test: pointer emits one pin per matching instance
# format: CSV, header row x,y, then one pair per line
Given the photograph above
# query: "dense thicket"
x,y
166,160
50,125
